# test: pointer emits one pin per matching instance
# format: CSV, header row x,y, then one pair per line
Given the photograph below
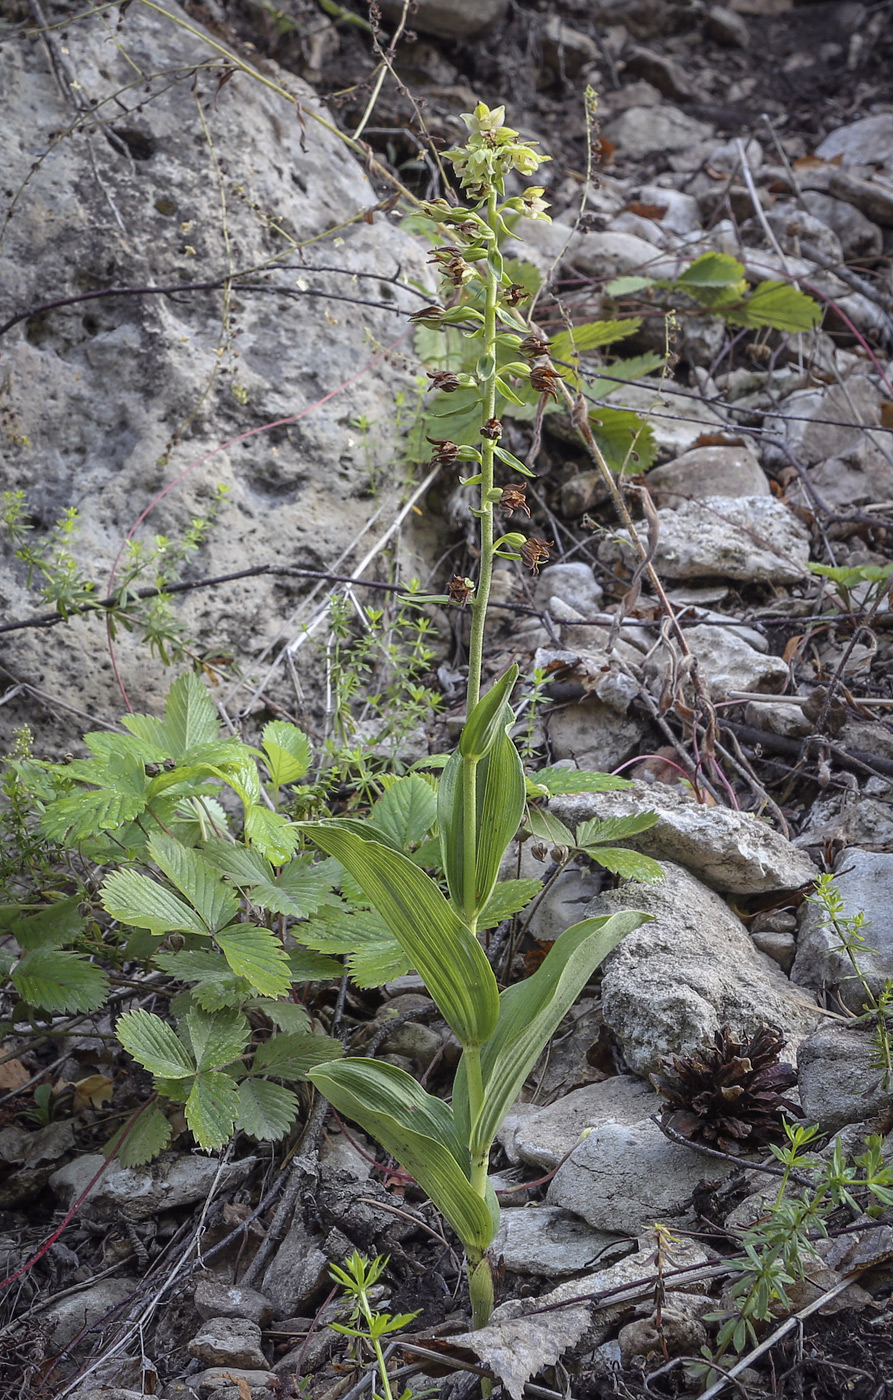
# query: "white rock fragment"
x,y
754,539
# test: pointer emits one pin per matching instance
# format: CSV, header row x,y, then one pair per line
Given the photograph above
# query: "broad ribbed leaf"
x,y
418,1130
153,1043
487,721
499,793
266,1111
441,948
212,1108
529,1015
291,1056
197,880
288,751
137,900
256,954
57,980
406,811
217,1038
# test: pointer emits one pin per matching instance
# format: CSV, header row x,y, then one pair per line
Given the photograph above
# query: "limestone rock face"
x,y
168,180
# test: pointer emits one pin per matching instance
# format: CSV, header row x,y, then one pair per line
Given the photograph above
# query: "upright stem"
x,y
482,592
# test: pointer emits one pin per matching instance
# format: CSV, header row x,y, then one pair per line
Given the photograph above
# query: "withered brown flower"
x,y
446,453
545,381
460,590
515,294
443,379
535,551
513,498
534,345
728,1093
492,429
430,316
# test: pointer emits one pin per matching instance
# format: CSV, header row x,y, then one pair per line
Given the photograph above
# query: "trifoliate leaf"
x,y
626,441
560,782
622,372
190,718
272,833
595,832
375,956
197,880
779,305
149,1134
305,966
56,980
153,1043
212,1109
121,797
285,1015
288,751
406,812
508,897
217,1038
106,744
378,962
137,900
291,1056
630,864
257,955
266,1111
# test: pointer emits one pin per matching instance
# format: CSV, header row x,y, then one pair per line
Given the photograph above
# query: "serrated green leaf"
x,y
266,1111
79,816
623,372
54,926
307,966
406,812
446,954
559,782
779,305
712,270
624,286
106,744
288,751
57,980
190,718
418,1130
197,880
217,1038
137,900
212,1108
626,441
272,833
144,1137
591,336
630,864
548,828
529,1015
291,1056
153,1043
508,898
257,955
285,1015
376,963
608,829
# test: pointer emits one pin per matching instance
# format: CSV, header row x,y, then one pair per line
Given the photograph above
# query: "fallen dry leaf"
x,y
517,1348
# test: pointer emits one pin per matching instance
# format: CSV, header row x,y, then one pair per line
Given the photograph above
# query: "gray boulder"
x,y
113,400
672,983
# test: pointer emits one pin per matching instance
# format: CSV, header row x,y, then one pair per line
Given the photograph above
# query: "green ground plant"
x,y
366,1325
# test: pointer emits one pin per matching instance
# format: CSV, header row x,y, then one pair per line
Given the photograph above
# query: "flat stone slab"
x,y
542,1136
548,1241
731,851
